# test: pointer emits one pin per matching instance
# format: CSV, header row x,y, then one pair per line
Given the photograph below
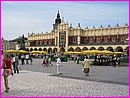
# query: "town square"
x,y
76,49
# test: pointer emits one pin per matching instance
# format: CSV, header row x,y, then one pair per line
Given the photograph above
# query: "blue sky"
x,y
22,17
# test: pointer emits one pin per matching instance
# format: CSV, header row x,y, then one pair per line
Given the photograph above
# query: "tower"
x,y
57,21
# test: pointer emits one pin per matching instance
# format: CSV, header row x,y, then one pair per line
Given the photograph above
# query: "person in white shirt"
x,y
59,66
15,67
49,61
27,58
22,59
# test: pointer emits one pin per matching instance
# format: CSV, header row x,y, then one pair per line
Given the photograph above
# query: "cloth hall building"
x,y
64,37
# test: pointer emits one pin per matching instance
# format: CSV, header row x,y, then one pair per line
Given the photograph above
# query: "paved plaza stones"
x,y
29,83
37,83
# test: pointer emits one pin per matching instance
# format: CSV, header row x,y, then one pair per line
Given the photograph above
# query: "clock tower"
x,y
57,21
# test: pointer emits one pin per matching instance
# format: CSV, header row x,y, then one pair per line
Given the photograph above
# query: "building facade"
x,y
7,45
64,37
14,44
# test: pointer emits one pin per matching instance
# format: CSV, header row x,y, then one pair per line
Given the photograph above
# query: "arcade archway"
x,y
44,49
55,50
71,49
84,48
62,50
77,49
49,50
100,48
110,49
92,48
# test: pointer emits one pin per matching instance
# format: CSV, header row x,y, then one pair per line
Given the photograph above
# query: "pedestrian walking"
x,y
16,63
43,61
114,61
46,61
7,70
49,60
86,66
22,59
118,60
77,59
59,66
27,58
31,59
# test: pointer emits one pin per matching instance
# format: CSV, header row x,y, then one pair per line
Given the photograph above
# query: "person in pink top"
x,y
7,70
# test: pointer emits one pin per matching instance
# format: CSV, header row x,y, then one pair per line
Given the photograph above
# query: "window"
x,y
62,37
105,39
113,39
49,42
122,39
5,46
53,41
98,39
91,39
85,40
40,42
74,39
45,42
36,42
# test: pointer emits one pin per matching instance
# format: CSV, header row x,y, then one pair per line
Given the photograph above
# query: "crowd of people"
x,y
12,60
46,61
28,58
111,60
106,60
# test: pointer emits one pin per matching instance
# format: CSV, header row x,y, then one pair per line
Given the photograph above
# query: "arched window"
x,y
36,42
85,40
40,42
74,39
98,39
105,39
91,39
122,39
45,42
113,39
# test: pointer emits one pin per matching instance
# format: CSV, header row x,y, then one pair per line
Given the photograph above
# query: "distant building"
x,y
65,37
11,44
7,44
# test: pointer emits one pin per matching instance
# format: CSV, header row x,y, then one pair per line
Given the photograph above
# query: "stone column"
x,y
78,34
78,39
66,44
57,33
55,40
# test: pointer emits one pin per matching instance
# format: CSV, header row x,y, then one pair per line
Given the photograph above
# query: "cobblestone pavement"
x,y
29,83
107,74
